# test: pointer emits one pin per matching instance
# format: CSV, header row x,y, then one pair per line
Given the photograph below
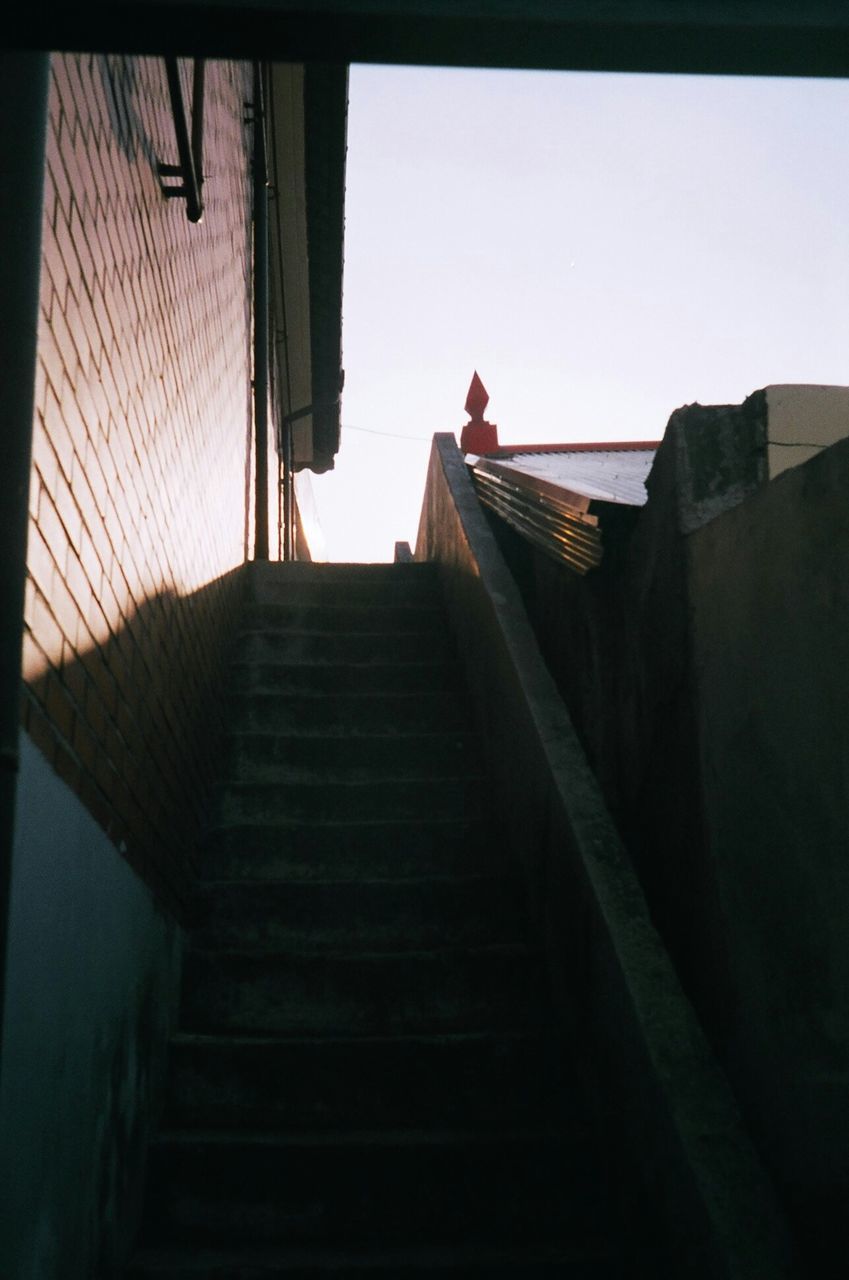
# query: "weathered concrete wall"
x,y
769,593
93,967
617,643
671,1115
705,666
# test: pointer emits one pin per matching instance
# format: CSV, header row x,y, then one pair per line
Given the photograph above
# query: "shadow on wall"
x,y
119,76
133,726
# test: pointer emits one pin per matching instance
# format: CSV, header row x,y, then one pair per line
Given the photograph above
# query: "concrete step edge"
x,y
348,882
386,1258
386,1139
460,1039
520,950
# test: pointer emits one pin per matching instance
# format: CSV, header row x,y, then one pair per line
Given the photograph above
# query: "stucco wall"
x,y
92,970
769,594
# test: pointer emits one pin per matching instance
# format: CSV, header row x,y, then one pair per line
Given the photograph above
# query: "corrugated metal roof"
x,y
598,475
542,517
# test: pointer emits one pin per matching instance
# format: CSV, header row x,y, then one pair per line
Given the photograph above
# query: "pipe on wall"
x,y
261,319
23,132
189,147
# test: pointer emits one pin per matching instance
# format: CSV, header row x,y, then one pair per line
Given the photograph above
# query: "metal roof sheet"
x,y
600,475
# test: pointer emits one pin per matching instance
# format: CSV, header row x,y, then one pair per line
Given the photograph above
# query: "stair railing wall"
x,y
614,984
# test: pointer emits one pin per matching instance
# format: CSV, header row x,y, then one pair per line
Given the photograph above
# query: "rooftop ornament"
x,y
478,436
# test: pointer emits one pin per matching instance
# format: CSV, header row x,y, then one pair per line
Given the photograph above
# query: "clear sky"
x,y
601,248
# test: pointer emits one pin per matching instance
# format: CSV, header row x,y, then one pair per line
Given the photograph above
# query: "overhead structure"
x,y
306,132
557,496
743,37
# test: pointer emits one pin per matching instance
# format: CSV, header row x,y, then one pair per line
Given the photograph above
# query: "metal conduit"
x,y
260,307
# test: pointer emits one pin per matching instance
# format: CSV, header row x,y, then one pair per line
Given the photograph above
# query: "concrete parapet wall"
x,y
615,985
769,605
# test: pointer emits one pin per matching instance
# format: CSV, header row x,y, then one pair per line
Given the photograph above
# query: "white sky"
x,y
601,248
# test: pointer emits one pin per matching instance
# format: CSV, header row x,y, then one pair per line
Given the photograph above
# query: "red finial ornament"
x,y
478,436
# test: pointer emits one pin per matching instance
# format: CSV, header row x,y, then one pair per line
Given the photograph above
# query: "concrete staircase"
x,y
363,1084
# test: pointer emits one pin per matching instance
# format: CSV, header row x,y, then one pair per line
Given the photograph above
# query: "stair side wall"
x,y
769,608
140,518
92,973
670,1107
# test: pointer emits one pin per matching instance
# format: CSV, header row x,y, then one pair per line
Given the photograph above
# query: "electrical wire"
x,y
392,435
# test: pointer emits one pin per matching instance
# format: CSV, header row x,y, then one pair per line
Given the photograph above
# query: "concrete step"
x,y
372,915
373,1189
345,619
289,757
317,584
459,799
418,712
346,677
450,1081
400,848
481,1263
486,988
260,645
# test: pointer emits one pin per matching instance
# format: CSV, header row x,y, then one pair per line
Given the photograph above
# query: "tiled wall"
x,y
140,495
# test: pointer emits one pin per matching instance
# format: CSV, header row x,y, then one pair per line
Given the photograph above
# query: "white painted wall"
x,y
93,972
802,421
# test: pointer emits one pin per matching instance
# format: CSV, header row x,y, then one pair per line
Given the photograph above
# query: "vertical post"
x,y
288,493
260,299
23,130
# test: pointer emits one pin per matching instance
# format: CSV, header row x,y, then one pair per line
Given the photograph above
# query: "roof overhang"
x,y
553,495
731,37
307,113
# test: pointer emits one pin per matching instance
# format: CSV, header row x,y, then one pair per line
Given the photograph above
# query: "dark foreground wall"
x,y
705,667
670,1110
769,594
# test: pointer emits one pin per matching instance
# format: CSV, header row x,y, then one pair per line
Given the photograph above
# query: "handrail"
x,y
189,147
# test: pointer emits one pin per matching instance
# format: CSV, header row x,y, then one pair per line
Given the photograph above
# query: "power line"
x,y
392,435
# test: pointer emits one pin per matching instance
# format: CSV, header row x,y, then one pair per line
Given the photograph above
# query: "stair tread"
x,y
413,1037
448,951
548,1135
404,821
362,1081
351,882
384,1257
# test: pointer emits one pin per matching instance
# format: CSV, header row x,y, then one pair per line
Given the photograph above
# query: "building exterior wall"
x,y
141,481
141,515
